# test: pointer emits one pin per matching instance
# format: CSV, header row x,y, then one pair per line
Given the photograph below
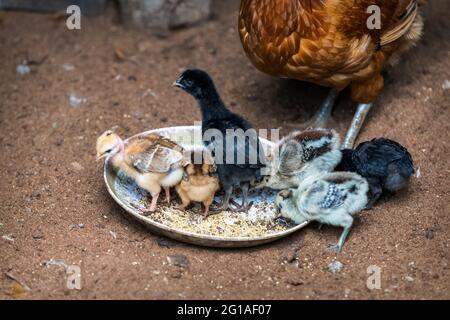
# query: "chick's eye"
x,y
188,82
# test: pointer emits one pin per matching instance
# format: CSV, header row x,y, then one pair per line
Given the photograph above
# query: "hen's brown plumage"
x,y
327,42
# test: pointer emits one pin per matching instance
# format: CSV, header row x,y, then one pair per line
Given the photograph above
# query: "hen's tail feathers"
x,y
406,21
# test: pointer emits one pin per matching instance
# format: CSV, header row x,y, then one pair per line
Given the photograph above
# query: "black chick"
x,y
384,163
239,157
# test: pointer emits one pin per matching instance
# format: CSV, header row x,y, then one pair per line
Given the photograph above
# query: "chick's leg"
x,y
207,204
153,204
167,192
245,205
357,123
185,200
338,247
225,202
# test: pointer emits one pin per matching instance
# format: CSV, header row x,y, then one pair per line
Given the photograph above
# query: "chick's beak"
x,y
100,156
178,84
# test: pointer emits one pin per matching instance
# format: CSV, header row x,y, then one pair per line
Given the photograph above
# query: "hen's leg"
x,y
357,123
225,202
322,116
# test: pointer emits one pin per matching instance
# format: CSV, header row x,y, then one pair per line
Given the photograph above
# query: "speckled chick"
x,y
300,155
329,198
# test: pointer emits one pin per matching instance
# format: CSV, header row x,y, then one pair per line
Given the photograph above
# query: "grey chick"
x,y
329,198
302,154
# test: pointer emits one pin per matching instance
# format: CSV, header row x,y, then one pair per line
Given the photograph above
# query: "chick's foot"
x,y
184,207
242,208
153,204
206,211
338,247
142,211
225,202
335,247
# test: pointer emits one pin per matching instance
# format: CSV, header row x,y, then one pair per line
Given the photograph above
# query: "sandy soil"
x,y
54,204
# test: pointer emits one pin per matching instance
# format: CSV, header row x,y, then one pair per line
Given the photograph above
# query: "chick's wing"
x,y
334,198
154,155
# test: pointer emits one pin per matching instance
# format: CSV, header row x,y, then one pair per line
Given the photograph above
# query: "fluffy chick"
x,y
329,198
152,161
302,154
226,135
385,164
199,184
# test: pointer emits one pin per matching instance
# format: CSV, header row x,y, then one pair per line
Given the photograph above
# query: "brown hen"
x,y
328,42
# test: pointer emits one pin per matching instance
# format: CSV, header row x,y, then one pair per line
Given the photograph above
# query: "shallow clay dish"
x,y
130,197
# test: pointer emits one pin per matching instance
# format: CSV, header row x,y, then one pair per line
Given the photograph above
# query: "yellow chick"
x,y
152,161
199,184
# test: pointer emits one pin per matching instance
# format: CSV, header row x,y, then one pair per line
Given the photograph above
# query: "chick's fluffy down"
x,y
331,198
198,185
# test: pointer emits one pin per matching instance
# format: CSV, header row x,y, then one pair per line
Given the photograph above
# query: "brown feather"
x,y
153,153
326,42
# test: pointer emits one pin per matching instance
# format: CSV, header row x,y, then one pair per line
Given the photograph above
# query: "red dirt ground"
x,y
43,194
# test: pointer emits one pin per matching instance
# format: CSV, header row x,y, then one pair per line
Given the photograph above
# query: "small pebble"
x,y
178,261
74,226
446,85
76,101
38,235
68,67
113,234
8,237
55,262
77,166
335,266
23,69
409,279
164,243
418,173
